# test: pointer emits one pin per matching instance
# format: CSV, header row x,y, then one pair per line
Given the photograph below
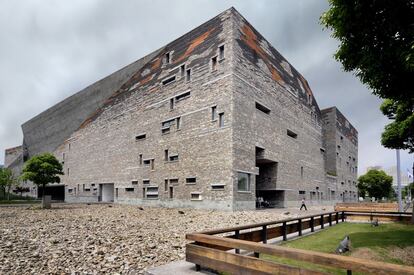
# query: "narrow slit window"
x,y
152,164
140,159
217,187
168,80
292,134
182,70
188,75
178,123
214,113
166,155
140,137
214,63
129,189
171,103
182,96
173,158
167,58
262,108
221,120
221,52
166,185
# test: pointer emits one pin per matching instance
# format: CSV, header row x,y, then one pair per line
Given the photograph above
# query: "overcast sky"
x,y
52,49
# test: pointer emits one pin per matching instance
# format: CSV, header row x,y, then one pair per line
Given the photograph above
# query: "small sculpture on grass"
x,y
344,246
42,170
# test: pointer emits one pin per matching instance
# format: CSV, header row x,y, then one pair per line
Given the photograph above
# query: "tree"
x,y
7,181
41,170
376,183
377,44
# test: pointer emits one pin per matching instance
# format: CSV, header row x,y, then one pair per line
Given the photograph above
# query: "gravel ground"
x,y
115,239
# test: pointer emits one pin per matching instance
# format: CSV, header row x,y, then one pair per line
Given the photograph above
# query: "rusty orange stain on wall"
x,y
305,84
146,80
156,63
194,43
250,38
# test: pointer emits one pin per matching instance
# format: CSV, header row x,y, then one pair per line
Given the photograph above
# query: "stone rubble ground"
x,y
115,239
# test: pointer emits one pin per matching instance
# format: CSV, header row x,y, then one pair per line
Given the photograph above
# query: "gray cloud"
x,y
52,49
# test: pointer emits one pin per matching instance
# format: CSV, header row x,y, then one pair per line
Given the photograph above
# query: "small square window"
x,y
129,189
146,182
195,196
262,108
291,134
191,180
134,182
173,158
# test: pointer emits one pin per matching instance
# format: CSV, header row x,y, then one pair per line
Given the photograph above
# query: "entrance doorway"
x,y
106,192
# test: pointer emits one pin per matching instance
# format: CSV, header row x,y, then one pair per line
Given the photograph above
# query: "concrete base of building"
x,y
176,203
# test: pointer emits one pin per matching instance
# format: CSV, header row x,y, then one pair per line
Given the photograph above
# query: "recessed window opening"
x,y
217,186
140,137
166,185
87,190
167,58
214,113
243,181
182,96
174,181
166,155
145,181
147,162
188,75
221,120
152,192
178,123
68,172
140,159
182,70
291,134
191,180
168,80
262,108
129,189
171,103
301,192
134,182
173,158
301,172
221,52
214,63
195,196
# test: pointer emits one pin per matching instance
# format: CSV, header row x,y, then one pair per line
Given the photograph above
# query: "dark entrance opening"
x,y
56,191
267,194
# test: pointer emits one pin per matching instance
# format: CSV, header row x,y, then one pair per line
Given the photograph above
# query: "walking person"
x,y
303,205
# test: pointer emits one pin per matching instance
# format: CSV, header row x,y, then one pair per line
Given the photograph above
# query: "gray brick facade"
x,y
216,119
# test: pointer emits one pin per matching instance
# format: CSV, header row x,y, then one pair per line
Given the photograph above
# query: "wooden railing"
x,y
223,253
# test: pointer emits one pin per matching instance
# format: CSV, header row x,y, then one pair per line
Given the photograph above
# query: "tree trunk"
x,y
43,197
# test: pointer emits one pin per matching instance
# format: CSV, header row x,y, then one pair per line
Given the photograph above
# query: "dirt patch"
x,y
405,255
366,253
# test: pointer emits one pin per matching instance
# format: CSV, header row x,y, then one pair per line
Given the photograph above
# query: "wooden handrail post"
x,y
322,222
330,219
284,230
349,272
336,218
312,224
300,227
237,236
343,216
264,234
198,267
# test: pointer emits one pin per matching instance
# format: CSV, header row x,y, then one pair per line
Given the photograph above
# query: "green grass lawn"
x,y
374,242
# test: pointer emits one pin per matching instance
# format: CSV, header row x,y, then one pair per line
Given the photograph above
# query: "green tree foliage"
x,y
7,181
42,169
376,184
377,44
